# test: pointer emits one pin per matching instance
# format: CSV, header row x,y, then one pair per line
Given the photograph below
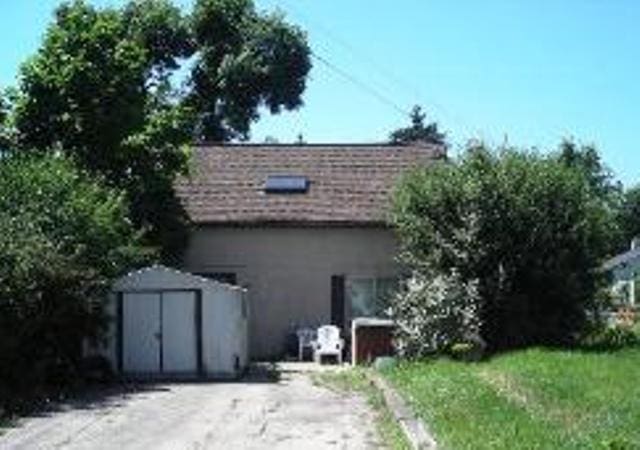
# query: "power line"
x,y
390,75
362,85
381,69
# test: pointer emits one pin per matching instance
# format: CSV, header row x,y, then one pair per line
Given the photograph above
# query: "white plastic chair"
x,y
328,343
306,338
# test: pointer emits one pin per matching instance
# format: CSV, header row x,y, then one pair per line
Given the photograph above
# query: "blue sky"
x,y
532,71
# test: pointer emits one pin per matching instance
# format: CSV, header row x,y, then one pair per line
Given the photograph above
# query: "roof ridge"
x,y
317,144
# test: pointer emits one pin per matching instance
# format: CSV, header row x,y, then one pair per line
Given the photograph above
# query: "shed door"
x,y
179,332
141,332
159,333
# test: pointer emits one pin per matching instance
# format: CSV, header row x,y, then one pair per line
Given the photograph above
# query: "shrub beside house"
x,y
527,231
64,238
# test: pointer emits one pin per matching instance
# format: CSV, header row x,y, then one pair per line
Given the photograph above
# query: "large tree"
x,y
418,131
125,90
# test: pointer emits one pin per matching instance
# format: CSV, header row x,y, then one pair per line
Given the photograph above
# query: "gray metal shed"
x,y
170,323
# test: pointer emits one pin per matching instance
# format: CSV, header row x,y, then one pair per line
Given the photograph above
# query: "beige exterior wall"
x,y
287,271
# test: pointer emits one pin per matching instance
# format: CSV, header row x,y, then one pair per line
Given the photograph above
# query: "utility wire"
x,y
390,75
381,69
362,85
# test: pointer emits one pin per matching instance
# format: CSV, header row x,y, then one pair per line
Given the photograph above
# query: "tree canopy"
x,y
3,110
123,91
4,128
587,159
528,229
602,183
418,131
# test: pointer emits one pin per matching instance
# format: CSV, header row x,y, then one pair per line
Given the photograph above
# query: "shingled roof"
x,y
348,184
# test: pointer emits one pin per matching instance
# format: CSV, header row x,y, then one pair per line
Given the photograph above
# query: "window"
x,y
626,291
286,184
369,297
222,277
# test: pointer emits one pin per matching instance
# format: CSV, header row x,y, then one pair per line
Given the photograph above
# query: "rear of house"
x,y
302,227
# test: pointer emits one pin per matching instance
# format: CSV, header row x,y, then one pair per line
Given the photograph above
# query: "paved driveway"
x,y
258,413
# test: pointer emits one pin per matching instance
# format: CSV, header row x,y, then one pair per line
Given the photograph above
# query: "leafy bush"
x,y
527,230
614,337
63,238
433,313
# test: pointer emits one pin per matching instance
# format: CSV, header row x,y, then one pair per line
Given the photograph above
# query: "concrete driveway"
x,y
260,412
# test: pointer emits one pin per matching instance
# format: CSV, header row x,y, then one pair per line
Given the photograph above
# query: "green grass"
x,y
355,380
532,399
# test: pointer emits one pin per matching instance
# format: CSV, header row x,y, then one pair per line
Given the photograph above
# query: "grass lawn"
x,y
532,399
355,380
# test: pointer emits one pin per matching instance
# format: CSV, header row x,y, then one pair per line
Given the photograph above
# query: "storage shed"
x,y
169,323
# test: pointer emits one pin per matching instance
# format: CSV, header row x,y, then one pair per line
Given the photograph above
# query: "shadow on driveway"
x,y
275,406
121,390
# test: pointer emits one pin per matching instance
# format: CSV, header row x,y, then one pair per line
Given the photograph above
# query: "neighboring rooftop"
x,y
623,259
348,184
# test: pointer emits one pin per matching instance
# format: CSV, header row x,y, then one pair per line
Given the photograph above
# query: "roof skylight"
x,y
286,184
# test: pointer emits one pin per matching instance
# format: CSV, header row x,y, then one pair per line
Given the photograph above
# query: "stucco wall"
x,y
288,271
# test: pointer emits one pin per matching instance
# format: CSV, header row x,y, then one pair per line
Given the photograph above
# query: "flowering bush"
x,y
435,312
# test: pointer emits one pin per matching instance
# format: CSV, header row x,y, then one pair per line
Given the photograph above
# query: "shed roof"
x,y
348,184
159,277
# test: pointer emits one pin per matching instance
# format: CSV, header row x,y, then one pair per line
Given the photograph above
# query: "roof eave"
x,y
293,223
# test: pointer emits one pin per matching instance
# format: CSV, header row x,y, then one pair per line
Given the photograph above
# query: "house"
x,y
625,270
302,227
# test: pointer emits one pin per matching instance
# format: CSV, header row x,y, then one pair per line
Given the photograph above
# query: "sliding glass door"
x,y
370,297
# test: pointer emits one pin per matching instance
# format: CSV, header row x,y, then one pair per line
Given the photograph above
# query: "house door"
x,y
337,300
159,333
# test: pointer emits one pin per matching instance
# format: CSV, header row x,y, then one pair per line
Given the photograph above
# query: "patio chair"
x,y
328,343
306,338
